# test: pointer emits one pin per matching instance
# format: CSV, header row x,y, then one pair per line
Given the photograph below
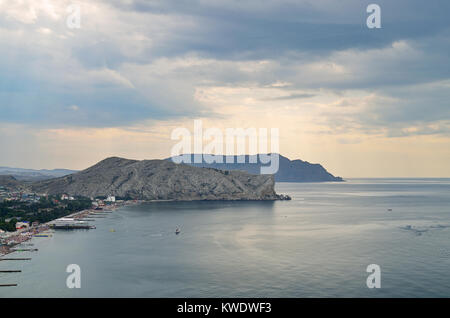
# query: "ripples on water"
x,y
317,245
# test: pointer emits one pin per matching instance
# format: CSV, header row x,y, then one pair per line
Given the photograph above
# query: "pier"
x,y
24,250
11,271
17,242
72,227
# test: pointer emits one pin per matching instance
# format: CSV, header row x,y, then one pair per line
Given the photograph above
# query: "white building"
x,y
22,225
111,199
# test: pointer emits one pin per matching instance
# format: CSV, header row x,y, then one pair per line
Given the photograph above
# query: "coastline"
x,y
14,239
19,237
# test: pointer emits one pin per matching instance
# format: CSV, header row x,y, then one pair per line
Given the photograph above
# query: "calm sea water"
x,y
317,245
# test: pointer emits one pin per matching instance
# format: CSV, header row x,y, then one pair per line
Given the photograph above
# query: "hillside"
x,y
10,183
160,180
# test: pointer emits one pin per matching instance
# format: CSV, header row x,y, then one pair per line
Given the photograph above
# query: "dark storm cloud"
x,y
266,29
83,77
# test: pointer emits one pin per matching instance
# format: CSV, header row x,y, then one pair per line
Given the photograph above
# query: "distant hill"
x,y
10,183
160,180
289,170
34,175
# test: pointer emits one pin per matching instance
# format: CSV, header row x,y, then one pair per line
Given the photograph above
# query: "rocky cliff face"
x,y
161,180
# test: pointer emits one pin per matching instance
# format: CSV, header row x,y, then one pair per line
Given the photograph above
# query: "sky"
x,y
362,102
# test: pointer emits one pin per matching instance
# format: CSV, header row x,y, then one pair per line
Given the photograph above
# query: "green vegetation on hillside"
x,y
45,210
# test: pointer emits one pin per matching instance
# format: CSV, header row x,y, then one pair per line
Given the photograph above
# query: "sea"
x,y
319,244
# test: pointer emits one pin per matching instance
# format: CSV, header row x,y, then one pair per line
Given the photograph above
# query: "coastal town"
x,y
26,215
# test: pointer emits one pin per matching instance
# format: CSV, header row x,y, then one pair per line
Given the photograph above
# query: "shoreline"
x,y
19,237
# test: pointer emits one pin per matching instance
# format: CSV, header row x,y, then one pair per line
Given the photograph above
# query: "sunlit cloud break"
x,y
336,88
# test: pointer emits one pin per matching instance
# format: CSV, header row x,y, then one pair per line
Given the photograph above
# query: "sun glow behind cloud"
x,y
361,103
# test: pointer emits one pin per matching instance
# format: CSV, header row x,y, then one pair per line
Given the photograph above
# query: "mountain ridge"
x,y
295,170
160,180
24,174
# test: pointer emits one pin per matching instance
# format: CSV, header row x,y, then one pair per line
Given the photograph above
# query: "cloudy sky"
x,y
362,102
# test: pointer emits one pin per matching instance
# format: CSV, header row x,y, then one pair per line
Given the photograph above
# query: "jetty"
x,y
11,271
24,250
73,226
17,241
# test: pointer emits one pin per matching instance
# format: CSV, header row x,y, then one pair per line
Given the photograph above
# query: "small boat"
x,y
177,231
